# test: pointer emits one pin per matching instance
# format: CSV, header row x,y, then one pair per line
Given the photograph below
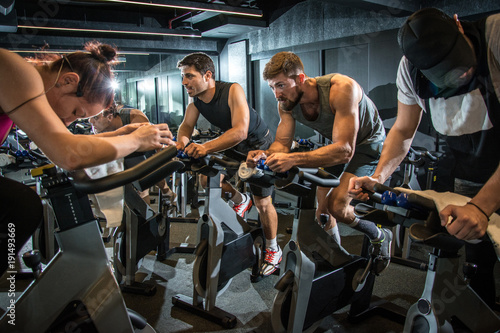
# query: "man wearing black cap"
x,y
451,69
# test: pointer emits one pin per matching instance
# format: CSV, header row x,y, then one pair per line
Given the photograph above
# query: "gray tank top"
x,y
371,128
124,114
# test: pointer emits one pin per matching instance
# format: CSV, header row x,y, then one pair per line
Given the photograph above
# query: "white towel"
x,y
108,204
443,199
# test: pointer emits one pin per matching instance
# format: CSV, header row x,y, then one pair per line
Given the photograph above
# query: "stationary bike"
x,y
227,245
142,231
447,304
416,159
317,275
77,290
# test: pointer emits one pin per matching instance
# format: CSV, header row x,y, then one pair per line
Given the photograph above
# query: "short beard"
x,y
292,104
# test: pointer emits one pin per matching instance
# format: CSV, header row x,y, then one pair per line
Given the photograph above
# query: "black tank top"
x,y
217,112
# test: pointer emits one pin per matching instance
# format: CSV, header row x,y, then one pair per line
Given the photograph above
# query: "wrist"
x,y
480,209
379,178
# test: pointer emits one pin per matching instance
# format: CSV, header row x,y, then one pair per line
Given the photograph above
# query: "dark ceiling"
x,y
24,24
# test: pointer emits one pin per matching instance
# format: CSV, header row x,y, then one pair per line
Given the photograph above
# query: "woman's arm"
x,y
19,81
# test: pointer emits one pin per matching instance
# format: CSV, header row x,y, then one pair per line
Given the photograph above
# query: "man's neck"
x,y
207,95
310,92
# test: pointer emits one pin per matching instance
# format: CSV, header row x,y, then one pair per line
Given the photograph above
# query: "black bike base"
x,y
139,288
380,307
216,315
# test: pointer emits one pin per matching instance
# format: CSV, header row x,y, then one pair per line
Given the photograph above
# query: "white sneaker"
x,y
243,206
271,262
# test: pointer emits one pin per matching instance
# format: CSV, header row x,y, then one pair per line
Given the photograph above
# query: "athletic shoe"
x,y
381,252
244,206
271,262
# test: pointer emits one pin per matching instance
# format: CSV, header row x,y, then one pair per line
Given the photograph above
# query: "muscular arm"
x,y
396,146
345,95
398,141
186,128
19,81
282,142
284,134
240,120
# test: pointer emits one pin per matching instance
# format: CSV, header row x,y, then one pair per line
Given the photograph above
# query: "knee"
x,y
337,207
264,204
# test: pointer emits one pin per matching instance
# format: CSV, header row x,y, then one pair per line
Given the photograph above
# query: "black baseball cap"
x,y
431,41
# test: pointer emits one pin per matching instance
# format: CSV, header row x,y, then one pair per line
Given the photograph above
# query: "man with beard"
x,y
335,106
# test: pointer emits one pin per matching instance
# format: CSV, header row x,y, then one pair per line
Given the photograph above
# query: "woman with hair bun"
x,y
42,101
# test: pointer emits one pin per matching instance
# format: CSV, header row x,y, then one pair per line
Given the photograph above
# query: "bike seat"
x,y
296,189
437,239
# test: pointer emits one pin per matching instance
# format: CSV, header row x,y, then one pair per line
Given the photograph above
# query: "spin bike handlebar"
x,y
261,175
403,199
147,172
224,162
424,153
318,177
422,213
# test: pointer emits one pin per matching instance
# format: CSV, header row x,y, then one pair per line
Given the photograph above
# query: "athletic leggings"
x,y
21,213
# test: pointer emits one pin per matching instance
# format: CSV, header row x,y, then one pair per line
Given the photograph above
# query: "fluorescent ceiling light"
x,y
187,5
150,32
71,51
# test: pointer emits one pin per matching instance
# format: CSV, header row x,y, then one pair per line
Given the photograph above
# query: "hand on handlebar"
x,y
359,185
254,157
195,150
464,222
153,136
280,162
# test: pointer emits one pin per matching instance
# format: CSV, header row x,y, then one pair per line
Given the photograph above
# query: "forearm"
x,y
277,147
81,151
325,156
227,140
184,134
488,198
396,146
108,134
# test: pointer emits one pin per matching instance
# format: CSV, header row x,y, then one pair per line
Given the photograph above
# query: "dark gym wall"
x,y
372,64
329,38
333,38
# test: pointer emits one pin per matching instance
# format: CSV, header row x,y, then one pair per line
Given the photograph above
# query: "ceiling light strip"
x,y
244,11
69,51
110,31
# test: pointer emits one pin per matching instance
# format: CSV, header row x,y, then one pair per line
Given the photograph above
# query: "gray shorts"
x,y
363,163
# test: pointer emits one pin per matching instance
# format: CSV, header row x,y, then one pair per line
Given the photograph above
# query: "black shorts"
x,y
260,144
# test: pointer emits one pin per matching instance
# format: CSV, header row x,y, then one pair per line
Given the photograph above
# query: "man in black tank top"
x,y
336,107
224,105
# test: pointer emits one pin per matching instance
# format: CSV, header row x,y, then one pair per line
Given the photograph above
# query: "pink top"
x,y
5,125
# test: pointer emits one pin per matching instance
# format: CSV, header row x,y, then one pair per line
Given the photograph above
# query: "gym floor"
x,y
250,302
